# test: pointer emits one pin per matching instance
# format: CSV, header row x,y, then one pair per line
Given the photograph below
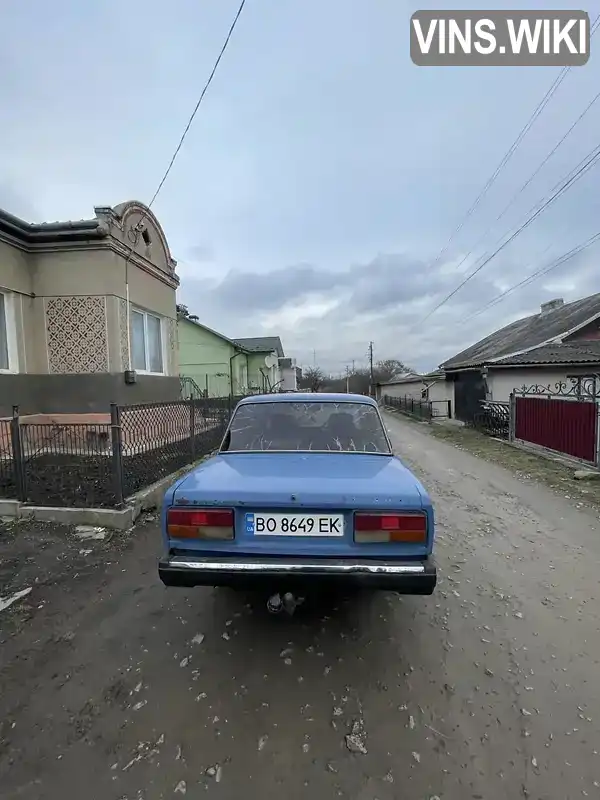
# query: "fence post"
x,y
597,404
18,460
512,411
192,429
117,453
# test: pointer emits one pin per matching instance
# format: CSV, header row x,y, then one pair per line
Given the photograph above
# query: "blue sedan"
x,y
304,489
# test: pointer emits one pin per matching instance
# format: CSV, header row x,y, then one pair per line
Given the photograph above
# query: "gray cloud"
x,y
388,281
266,291
201,253
386,298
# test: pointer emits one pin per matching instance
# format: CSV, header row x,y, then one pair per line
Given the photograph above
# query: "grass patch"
x,y
526,465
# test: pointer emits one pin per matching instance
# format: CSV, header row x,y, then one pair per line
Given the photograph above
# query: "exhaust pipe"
x,y
274,604
289,603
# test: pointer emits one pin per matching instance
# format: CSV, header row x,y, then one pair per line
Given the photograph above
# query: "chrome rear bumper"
x,y
407,577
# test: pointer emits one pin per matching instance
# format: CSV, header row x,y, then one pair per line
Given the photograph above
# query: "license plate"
x,y
295,524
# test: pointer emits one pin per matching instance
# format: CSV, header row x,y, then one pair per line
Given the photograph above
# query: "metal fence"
x,y
493,419
157,439
101,464
409,405
564,423
7,476
563,418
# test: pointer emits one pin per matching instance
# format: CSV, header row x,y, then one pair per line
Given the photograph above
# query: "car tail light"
x,y
200,523
390,527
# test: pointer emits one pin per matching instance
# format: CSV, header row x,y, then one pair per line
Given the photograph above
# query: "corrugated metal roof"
x,y
527,333
262,344
568,353
413,377
437,373
407,377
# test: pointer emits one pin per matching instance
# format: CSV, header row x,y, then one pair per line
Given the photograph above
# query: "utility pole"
x,y
347,379
371,367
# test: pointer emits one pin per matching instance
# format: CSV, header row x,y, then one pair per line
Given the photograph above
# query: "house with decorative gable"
x,y
87,313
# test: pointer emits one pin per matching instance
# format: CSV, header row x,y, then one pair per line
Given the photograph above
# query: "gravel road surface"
x,y
113,687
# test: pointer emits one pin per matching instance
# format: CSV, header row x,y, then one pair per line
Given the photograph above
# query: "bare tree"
x,y
313,378
359,380
387,368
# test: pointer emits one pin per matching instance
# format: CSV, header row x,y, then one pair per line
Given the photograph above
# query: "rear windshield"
x,y
338,427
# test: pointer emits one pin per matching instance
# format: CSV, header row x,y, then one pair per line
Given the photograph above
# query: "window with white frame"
x,y
8,356
146,342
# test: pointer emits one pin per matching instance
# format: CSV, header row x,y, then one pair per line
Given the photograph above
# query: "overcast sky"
x,y
323,174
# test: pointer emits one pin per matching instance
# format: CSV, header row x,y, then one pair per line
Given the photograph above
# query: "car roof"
x,y
309,397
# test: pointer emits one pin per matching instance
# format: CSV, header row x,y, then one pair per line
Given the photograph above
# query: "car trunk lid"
x,y
311,480
302,484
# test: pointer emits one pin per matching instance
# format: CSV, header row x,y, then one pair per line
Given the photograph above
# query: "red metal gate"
x,y
567,426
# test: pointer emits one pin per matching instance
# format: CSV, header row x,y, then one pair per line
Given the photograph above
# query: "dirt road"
x,y
117,688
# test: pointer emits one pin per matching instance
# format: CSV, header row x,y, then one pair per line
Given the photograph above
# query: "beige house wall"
x,y
502,382
86,285
15,272
68,297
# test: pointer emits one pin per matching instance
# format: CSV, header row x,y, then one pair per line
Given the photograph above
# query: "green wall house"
x,y
263,376
217,364
220,366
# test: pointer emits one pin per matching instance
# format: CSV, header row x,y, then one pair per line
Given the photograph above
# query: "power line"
x,y
199,103
538,274
135,231
505,159
584,166
530,179
545,100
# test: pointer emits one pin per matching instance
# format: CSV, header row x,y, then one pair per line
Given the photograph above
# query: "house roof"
x,y
81,230
407,377
45,232
234,344
566,353
262,344
431,376
527,333
397,376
